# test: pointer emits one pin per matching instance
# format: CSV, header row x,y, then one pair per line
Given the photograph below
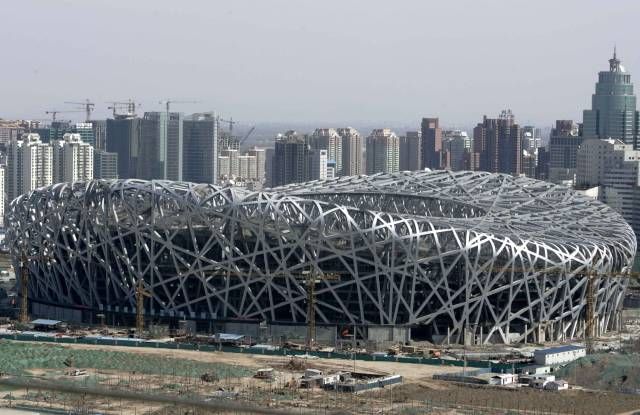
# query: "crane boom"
x,y
87,105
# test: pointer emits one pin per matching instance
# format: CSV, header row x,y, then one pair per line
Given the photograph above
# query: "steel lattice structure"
x,y
450,252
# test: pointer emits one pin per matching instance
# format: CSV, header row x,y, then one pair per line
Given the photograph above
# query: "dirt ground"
x,y
410,372
419,393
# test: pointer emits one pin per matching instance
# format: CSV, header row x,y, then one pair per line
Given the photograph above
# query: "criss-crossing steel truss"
x,y
456,253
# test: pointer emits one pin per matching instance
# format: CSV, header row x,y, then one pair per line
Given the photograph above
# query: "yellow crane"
x,y
141,294
24,285
311,278
591,318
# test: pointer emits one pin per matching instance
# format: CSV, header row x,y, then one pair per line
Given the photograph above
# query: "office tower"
x,y
57,130
352,146
411,151
29,165
542,170
269,155
613,167
383,151
529,163
431,143
531,138
161,141
291,159
497,145
200,156
123,138
596,158
329,139
564,142
72,159
99,134
613,106
85,129
260,155
105,164
2,193
456,150
318,164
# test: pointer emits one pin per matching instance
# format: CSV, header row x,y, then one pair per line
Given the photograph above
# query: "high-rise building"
x,y
383,151
2,198
234,163
497,145
123,138
318,164
260,155
72,159
411,151
29,165
564,142
105,164
269,156
596,158
329,139
431,143
99,134
247,168
612,167
85,129
224,167
291,159
613,106
352,146
542,170
162,143
531,138
456,150
200,156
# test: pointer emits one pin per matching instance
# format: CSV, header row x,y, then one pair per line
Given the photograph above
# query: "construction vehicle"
x,y
87,105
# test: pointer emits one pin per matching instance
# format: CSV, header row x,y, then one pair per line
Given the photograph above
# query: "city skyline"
x,y
269,66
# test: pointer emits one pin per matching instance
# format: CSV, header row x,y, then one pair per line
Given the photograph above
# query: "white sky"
x,y
348,61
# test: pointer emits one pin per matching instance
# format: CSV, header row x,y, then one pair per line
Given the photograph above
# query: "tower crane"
x,y
230,122
244,138
54,113
310,278
167,103
24,284
129,105
591,293
141,294
87,105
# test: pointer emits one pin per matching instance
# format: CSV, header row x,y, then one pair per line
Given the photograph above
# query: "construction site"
x,y
299,332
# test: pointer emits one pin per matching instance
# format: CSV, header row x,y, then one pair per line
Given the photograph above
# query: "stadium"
x,y
446,254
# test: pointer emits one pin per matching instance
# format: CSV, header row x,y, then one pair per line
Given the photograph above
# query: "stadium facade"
x,y
446,253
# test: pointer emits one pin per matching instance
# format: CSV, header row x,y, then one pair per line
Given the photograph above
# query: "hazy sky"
x,y
379,61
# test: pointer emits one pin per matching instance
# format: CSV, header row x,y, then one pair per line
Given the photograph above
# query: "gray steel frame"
x,y
461,253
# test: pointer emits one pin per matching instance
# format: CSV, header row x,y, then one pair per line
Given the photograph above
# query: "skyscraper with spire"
x,y
613,106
